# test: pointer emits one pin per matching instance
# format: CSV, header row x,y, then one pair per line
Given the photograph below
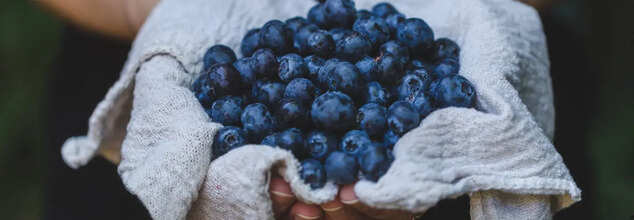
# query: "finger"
x,y
350,200
335,210
303,211
281,195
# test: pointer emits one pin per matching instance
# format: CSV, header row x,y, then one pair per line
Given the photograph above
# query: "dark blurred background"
x,y
52,75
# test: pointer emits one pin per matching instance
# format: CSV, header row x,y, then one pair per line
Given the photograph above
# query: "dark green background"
x,y
30,41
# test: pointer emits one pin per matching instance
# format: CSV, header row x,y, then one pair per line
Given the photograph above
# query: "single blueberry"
x,y
326,71
424,75
363,14
227,110
384,9
320,144
354,142
291,66
321,43
446,48
375,93
374,162
339,13
292,113
415,34
313,173
390,68
394,20
353,46
218,54
333,111
368,68
454,91
270,140
245,67
300,40
341,168
446,67
373,28
250,42
226,139
264,63
313,63
225,79
408,87
269,93
295,23
338,33
257,122
423,104
204,90
316,15
395,49
402,117
292,139
389,139
372,118
276,36
302,90
346,78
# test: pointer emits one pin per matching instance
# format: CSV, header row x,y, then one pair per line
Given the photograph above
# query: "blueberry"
x,y
257,122
424,75
292,113
395,49
446,67
225,79
408,87
419,64
226,139
390,139
333,111
390,68
384,9
353,46
245,67
204,91
339,13
218,54
313,63
354,142
416,35
390,154
269,93
264,63
319,144
373,28
326,71
227,110
341,168
321,43
316,15
313,173
375,93
300,40
394,20
338,33
292,139
374,162
270,140
454,91
363,14
295,23
423,104
446,48
402,117
368,68
276,36
291,66
250,42
372,118
345,78
302,90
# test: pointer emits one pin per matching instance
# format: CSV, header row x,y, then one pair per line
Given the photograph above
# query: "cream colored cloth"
x,y
164,137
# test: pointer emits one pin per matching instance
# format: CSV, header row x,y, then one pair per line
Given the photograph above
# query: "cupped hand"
x,y
346,206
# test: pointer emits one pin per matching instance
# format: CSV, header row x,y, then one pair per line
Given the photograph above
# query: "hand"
x,y
346,206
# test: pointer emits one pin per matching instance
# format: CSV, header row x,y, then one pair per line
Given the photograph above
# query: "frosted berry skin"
x,y
302,90
313,173
374,162
292,139
245,67
395,49
333,111
226,139
339,13
295,23
320,144
264,63
292,113
276,36
352,47
394,20
338,33
383,9
390,139
227,110
364,14
408,87
345,78
224,79
424,75
321,43
300,41
218,54
446,67
257,122
446,48
250,42
313,64
415,34
291,66
354,142
204,91
374,28
268,93
368,68
423,104
389,69
323,76
316,15
372,118
375,93
341,168
453,91
270,140
402,117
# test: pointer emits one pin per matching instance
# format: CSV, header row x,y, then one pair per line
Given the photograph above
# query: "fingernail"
x,y
348,196
281,194
331,209
303,217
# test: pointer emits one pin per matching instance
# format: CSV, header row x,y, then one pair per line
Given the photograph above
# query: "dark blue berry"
x,y
295,23
374,162
276,36
302,90
225,79
372,118
339,13
394,20
292,113
245,67
373,28
270,140
420,64
250,42
292,139
346,78
368,68
402,117
341,168
313,173
338,33
384,9
390,139
408,87
446,67
204,91
291,66
423,104
300,41
390,69
321,43
313,63
320,144
226,139
446,48
424,75
227,110
354,142
326,71
264,63
316,15
218,54
395,49
257,122
363,14
353,46
375,93
269,93
454,91
333,111
415,34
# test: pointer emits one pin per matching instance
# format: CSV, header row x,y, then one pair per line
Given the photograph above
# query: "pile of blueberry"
x,y
337,89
